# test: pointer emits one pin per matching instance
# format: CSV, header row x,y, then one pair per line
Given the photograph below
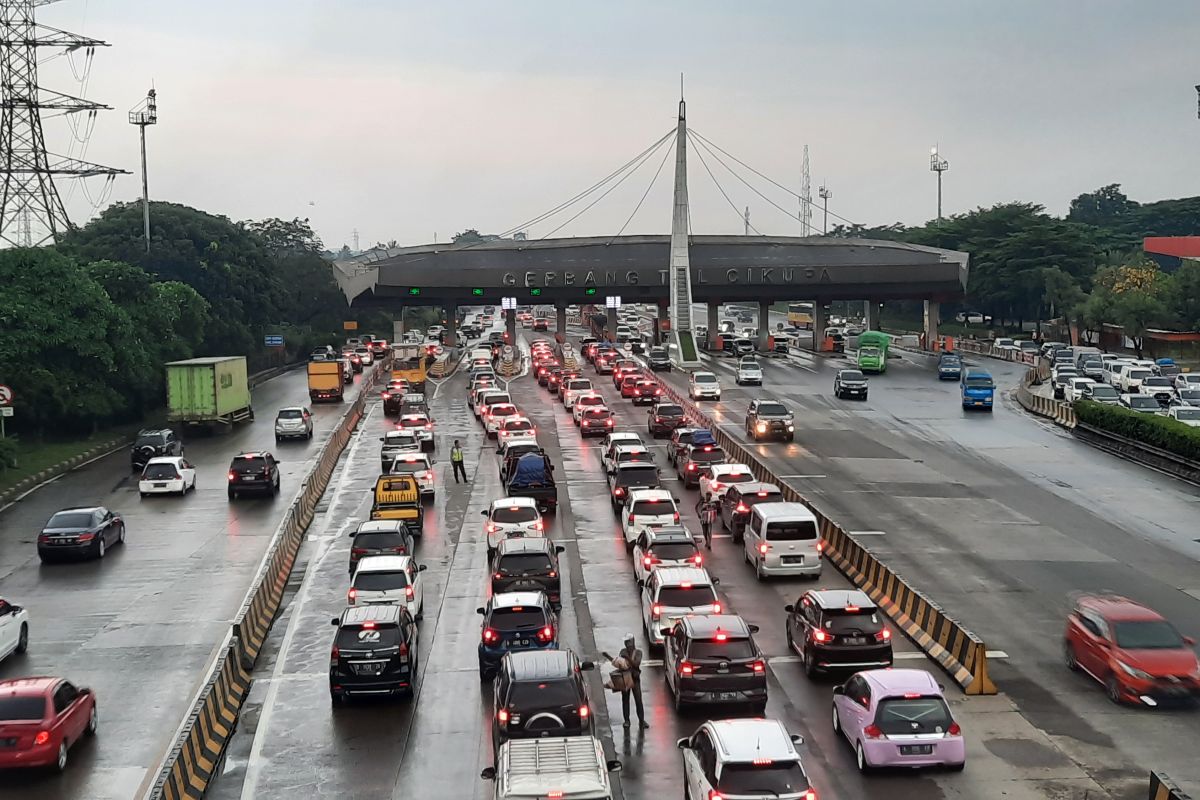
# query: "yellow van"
x,y
398,497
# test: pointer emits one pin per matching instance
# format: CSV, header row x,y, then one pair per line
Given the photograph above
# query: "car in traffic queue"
x,y
422,428
596,421
388,579
1189,398
782,539
744,758
254,471
949,367
626,384
507,517
293,422
397,443
392,397
495,416
645,392
622,367
977,389
1188,415
582,403
153,444
1159,388
1140,403
704,386
626,453
398,497
1100,393
714,661
487,398
849,383
837,629
365,355
658,359
374,652
897,718
694,459
684,437
382,537
615,439
419,467
514,621
671,593
767,418
1074,388
14,629
646,508
738,499
663,417
749,371
660,546
516,427
526,565
1060,376
716,479
540,694
509,452
351,356
565,376
573,389
41,719
1187,380
170,475
1133,651
626,477
80,532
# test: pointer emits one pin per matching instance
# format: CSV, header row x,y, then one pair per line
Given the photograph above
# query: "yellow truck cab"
x,y
398,497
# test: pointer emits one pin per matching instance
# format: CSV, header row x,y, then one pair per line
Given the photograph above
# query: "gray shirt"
x,y
634,657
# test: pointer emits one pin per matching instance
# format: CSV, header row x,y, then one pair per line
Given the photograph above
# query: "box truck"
x,y
208,391
325,381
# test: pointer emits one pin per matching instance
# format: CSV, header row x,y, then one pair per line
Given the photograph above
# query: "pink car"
x,y
897,718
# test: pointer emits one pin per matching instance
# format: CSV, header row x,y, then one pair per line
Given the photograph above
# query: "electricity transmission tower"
x,y
806,201
31,210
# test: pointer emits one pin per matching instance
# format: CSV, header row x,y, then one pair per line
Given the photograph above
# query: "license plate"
x,y
367,669
247,477
8,742
160,486
516,535
916,749
792,559
726,695
856,640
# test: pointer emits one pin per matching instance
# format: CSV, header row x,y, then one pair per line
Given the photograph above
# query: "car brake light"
x,y
585,423
713,794
820,635
741,507
232,475
334,655
762,762
555,794
545,634
820,546
883,635
386,396
655,611
492,528
707,448
647,561
490,636
872,732
351,595
677,516
42,737
716,485
631,518
955,729
722,637
429,427
502,716
698,559
685,668
357,551
763,548
810,794
691,467
584,712
409,594
619,491
716,608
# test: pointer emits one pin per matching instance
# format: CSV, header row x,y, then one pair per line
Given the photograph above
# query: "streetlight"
x,y
824,193
938,165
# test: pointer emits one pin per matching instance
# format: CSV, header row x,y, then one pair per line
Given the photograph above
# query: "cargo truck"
x,y
873,351
208,391
325,381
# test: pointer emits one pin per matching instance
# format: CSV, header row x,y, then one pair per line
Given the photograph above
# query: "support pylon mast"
x,y
27,169
805,197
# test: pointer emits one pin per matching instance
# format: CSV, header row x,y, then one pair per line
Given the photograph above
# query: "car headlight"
x,y
1134,672
762,427
791,428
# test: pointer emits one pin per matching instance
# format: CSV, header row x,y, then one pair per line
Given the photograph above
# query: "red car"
x,y
1131,649
41,719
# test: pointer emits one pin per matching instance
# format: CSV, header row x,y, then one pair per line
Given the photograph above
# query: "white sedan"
x,y
582,403
716,480
514,428
14,629
167,475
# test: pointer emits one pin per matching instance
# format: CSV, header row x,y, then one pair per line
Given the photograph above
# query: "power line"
x,y
657,172
744,181
722,189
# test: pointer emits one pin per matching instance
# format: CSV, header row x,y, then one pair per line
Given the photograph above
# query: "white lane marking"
x,y
254,763
868,533
803,476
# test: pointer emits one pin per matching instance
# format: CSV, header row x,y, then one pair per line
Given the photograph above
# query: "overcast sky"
x,y
407,120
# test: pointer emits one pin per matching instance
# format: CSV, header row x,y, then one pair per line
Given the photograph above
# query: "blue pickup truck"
x,y
978,389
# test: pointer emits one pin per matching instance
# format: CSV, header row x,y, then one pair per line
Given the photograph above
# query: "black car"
x,y
631,475
695,458
665,417
374,652
153,444
658,359
850,383
528,564
713,660
540,693
513,622
681,437
81,532
769,419
381,537
739,499
393,401
596,421
256,471
838,629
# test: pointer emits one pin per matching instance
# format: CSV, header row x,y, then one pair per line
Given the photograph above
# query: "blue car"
x,y
978,389
949,367
513,622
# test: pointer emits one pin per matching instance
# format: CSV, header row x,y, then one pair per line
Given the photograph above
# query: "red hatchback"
x,y
1132,650
41,719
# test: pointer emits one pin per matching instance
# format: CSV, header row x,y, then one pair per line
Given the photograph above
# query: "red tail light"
x,y
691,467
619,491
716,608
502,716
759,667
955,729
585,423
697,559
677,516
492,527
357,551
546,634
490,636
403,652
429,427
810,794
764,548
741,508
716,486
883,636
872,732
685,668
631,519
409,594
584,712
820,635
655,611
713,794
386,396
334,655
42,737
351,595
232,475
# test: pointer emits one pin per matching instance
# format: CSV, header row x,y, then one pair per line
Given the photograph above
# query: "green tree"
x,y
469,236
1136,312
1106,207
1183,296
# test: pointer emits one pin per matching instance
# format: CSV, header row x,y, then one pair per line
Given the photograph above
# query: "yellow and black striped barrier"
x,y
1162,788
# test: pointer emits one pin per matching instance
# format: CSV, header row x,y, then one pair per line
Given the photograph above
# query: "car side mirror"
x,y
483,513
558,548
422,567
352,534
797,739
790,608
839,690
641,582
613,765
683,744
716,581
480,611
752,628
335,621
587,665
488,773
499,451
1190,641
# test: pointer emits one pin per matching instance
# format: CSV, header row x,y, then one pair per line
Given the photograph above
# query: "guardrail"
x,y
1057,410
959,652
200,743
1162,788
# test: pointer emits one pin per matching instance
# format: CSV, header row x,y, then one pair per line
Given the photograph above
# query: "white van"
x,y
783,539
561,766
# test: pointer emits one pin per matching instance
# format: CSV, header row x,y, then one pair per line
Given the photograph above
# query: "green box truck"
x,y
208,391
873,351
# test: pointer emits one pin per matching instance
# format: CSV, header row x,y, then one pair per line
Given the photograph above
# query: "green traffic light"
x,y
477,292
414,291
535,292
591,290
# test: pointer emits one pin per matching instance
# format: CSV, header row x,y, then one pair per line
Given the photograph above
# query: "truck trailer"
x,y
208,391
325,381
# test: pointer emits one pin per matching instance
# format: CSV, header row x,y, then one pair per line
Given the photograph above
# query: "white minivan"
x,y
388,580
783,539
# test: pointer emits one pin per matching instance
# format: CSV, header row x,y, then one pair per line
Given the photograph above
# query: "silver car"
x,y
293,422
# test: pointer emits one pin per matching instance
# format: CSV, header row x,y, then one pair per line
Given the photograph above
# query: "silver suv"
x,y
293,422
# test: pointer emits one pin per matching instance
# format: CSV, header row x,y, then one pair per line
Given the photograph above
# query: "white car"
x,y
1005,343
749,371
293,422
1074,389
574,388
1131,377
511,517
584,402
1158,388
516,427
608,445
1111,373
167,475
396,443
365,356
14,629
388,580
420,466
674,592
744,749
496,415
646,508
663,547
421,427
1187,380
621,450
716,480
704,386
1188,415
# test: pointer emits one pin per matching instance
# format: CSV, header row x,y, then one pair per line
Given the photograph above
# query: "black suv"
x,y
665,417
838,629
540,693
381,537
695,458
374,652
714,660
737,501
257,471
153,444
631,475
528,565
658,359
769,419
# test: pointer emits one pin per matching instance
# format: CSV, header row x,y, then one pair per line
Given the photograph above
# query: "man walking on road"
x,y
632,658
456,459
707,511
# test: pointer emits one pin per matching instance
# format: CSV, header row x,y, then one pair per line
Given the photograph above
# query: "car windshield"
x,y
497,398
1137,374
382,540
702,456
518,425
749,364
703,378
251,464
774,778
979,381
735,477
840,622
71,519
17,709
900,716
517,618
511,514
152,439
155,472
852,375
355,637
408,467
503,410
590,400
726,649
291,413
658,352
597,413
1147,635
1189,394
1103,390
638,476
413,422
517,563
380,581
772,410
686,596
1143,402
651,508
577,385
751,500
543,694
1159,382
792,531
1093,363
673,551
399,439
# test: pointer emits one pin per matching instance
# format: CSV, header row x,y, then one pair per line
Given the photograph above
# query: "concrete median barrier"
x,y
1161,788
1057,410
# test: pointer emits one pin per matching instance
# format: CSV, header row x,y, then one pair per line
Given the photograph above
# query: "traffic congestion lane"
x,y
140,625
997,518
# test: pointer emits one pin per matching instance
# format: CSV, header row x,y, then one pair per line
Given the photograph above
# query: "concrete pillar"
x,y
820,320
764,324
660,336
871,315
610,327
450,338
713,324
561,322
510,327
932,309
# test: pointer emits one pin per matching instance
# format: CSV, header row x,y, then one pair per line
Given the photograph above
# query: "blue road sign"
x,y
273,341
